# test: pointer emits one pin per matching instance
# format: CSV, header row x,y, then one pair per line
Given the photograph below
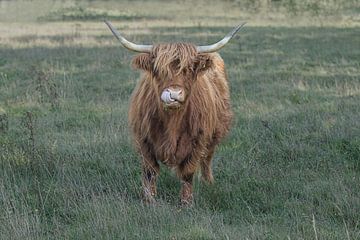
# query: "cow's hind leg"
x,y
206,171
150,171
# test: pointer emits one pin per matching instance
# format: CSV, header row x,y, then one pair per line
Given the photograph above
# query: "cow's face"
x,y
174,68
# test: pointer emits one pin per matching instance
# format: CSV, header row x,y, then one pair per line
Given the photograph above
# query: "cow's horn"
x,y
129,45
216,46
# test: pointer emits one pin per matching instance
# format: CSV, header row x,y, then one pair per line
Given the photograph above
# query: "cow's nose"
x,y
173,94
176,94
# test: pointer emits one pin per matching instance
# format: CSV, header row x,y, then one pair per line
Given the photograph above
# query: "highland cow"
x,y
179,111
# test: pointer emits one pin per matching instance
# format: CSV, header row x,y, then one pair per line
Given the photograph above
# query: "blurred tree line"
x,y
296,7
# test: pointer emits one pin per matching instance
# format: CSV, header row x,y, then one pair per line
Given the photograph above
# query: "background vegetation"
x,y
290,168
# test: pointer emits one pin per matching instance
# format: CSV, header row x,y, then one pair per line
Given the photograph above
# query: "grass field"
x,y
289,169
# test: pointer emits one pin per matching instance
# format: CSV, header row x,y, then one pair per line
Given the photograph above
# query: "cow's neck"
x,y
173,136
173,121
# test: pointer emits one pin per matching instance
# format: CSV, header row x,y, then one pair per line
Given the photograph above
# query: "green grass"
x,y
289,169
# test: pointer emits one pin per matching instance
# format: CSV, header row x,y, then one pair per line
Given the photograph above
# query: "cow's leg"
x,y
206,171
150,171
186,192
186,172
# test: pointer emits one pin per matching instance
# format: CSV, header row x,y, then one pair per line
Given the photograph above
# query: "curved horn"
x,y
216,46
129,45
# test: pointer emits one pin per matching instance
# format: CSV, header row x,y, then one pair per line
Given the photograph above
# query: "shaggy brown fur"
x,y
183,138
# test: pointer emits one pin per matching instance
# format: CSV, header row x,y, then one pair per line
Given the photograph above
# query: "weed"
x,y
4,122
46,87
29,124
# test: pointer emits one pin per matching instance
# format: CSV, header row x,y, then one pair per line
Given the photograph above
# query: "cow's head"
x,y
173,66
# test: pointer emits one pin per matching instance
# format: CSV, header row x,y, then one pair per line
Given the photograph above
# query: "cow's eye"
x,y
187,71
154,73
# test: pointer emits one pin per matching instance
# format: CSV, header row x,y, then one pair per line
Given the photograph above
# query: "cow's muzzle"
x,y
173,97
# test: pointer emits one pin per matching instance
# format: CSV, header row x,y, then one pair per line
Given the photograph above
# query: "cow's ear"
x,y
203,62
142,61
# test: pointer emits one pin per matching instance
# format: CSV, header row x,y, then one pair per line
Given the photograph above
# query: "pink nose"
x,y
170,95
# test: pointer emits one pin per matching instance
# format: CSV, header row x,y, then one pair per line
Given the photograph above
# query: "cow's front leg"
x,y
150,172
186,172
186,192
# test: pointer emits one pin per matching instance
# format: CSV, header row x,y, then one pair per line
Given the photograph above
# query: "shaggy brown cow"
x,y
180,109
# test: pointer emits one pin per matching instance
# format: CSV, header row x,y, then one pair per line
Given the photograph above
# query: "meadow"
x,y
289,169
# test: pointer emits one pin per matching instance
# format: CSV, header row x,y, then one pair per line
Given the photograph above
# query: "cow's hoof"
x,y
185,203
208,178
